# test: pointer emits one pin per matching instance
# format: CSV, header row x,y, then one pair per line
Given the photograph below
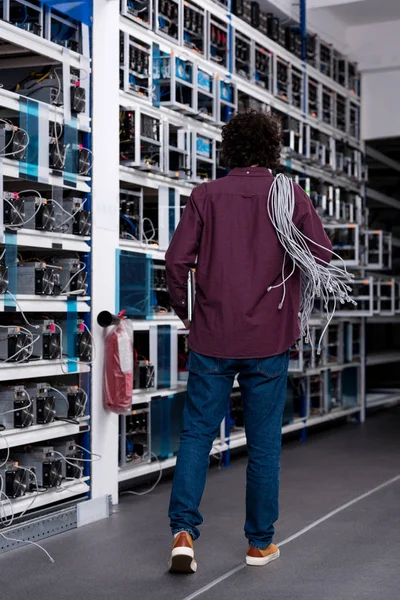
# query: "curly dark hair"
x,y
251,138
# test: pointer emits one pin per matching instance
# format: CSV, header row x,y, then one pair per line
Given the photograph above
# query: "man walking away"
x,y
246,317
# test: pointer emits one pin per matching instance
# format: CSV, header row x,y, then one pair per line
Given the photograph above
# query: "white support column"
x,y
105,229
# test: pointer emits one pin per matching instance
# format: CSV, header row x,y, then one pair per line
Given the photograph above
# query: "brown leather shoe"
x,y
182,555
258,558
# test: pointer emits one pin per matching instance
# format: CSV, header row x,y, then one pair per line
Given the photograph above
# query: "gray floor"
x,y
354,555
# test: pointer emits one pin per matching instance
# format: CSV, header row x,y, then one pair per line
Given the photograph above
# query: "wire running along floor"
x,y
352,555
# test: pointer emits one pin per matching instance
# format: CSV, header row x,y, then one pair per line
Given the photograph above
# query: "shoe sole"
x,y
182,561
252,561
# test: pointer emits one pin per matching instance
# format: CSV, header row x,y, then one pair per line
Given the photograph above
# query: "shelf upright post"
x,y
363,371
105,231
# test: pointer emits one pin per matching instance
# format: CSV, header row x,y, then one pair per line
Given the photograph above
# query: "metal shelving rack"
x,y
180,70
240,67
53,108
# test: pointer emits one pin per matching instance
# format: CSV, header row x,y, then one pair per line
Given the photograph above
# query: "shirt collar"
x,y
251,172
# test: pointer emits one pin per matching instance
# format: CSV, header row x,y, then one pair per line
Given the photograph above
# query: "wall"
x,y
376,47
380,116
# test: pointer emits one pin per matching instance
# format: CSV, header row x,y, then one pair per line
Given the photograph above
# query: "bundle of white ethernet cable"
x,y
318,278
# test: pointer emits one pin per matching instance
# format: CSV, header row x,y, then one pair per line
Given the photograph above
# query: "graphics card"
x,y
44,462
16,408
37,278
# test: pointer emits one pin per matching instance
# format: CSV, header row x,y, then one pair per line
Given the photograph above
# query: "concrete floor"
x,y
353,555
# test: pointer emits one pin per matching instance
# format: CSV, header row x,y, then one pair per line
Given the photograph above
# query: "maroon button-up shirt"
x,y
226,227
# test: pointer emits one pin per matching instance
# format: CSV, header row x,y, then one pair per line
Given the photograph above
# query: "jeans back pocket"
x,y
273,366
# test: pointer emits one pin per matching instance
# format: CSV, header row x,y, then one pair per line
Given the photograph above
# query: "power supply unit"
x,y
72,466
43,402
73,405
37,278
16,408
73,276
47,340
13,210
74,219
44,462
14,481
15,344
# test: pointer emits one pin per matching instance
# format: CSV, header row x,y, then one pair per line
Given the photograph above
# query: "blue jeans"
x,y
263,389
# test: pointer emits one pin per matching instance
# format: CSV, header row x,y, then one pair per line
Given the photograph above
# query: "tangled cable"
x,y
318,278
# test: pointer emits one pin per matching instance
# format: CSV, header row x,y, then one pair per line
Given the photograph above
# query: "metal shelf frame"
x,y
24,50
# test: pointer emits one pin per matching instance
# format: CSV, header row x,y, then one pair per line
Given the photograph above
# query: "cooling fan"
x,y
79,283
73,467
81,225
84,162
45,409
3,279
78,99
52,473
77,404
19,347
84,346
45,218
14,212
15,482
24,416
57,155
51,346
50,282
18,145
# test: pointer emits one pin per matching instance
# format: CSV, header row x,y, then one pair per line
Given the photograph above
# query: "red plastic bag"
x,y
118,372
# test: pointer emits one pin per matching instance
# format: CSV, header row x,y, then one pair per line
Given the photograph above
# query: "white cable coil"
x,y
318,278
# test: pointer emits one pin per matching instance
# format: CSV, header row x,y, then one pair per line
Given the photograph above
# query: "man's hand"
x,y
186,323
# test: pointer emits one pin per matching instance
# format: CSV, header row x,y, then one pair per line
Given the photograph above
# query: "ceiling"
x,y
362,12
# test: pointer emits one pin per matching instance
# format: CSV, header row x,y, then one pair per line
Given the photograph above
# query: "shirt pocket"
x,y
273,366
200,364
